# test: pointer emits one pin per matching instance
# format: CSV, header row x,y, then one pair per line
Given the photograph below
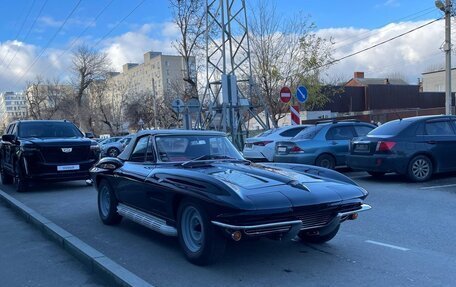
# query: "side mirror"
x,y
9,138
110,163
89,135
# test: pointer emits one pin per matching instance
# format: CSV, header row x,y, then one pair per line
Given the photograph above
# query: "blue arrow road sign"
x,y
301,94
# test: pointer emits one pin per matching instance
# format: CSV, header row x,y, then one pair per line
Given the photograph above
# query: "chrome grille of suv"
x,y
56,155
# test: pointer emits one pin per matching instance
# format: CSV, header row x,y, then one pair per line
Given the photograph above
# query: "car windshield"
x,y
189,147
390,129
308,133
48,130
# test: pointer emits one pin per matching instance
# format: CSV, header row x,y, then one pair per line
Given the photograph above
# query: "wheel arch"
x,y
435,166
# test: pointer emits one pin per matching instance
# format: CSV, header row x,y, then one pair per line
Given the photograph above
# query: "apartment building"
x,y
12,106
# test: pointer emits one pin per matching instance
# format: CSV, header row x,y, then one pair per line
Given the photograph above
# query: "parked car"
x,y
109,140
261,147
45,150
114,148
324,144
195,185
417,147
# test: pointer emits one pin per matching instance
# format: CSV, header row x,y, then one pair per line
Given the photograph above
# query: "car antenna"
x,y
399,116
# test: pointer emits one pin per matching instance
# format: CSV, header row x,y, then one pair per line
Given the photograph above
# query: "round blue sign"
x,y
301,94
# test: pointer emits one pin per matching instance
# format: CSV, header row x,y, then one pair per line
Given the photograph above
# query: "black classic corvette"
x,y
197,186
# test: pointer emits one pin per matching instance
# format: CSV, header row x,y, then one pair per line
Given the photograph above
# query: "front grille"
x,y
56,155
315,219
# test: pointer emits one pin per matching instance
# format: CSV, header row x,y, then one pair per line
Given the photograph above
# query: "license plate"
x,y
281,149
67,167
362,147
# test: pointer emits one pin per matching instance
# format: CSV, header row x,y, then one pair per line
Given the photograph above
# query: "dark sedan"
x,y
197,186
417,147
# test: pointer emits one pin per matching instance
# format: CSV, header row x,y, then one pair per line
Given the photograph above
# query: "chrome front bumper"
x,y
290,227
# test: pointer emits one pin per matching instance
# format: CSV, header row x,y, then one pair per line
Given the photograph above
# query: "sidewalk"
x,y
29,259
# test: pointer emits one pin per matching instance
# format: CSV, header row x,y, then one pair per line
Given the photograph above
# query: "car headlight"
x,y
95,147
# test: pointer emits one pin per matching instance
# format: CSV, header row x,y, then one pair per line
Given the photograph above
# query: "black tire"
x,y
22,183
318,239
202,243
376,173
326,161
420,169
7,179
107,204
112,152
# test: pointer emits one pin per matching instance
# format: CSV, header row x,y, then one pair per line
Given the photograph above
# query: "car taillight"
x,y
296,149
263,143
385,146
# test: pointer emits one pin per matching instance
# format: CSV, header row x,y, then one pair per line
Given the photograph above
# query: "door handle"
x,y
431,142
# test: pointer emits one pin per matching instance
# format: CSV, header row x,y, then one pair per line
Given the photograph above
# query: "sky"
x,y
37,36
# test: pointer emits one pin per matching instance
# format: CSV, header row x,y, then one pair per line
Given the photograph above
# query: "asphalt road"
x,y
407,239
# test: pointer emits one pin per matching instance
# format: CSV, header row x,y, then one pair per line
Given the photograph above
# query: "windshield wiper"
x,y
208,157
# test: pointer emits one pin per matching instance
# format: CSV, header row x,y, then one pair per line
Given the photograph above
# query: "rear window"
x,y
392,128
49,130
292,132
308,133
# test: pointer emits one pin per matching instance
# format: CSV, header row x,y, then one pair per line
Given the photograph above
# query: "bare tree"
x,y
88,66
285,52
189,16
45,98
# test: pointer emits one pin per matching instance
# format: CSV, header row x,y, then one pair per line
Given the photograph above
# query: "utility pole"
x,y
155,103
446,8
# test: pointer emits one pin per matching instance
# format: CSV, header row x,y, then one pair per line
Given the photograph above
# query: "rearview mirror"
x,y
9,138
89,135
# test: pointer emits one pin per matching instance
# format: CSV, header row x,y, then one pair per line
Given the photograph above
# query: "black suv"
x,y
45,150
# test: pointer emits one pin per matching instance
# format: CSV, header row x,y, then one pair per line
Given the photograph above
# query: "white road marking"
x,y
438,186
387,245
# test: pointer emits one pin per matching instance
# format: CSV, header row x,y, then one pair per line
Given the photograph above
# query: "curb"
x,y
96,261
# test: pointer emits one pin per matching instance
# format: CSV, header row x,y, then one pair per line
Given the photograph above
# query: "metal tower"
x,y
227,97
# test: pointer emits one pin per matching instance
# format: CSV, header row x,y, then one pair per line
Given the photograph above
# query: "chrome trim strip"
x,y
364,207
147,220
239,227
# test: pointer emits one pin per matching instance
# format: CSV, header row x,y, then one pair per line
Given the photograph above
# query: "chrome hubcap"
x,y
192,229
105,201
420,168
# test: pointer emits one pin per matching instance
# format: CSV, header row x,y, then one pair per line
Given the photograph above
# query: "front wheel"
x,y
22,183
113,152
199,239
318,239
107,204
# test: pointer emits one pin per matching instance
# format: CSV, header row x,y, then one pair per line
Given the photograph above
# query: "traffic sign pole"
x,y
295,115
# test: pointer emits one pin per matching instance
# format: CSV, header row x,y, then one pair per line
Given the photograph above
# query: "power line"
x,y
120,22
50,41
28,32
86,28
376,45
371,34
20,30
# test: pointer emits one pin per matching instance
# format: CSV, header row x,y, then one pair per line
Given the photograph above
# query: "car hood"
x,y
268,187
58,142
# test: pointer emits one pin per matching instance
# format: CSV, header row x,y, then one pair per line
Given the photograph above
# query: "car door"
x,y
131,187
440,139
8,150
338,138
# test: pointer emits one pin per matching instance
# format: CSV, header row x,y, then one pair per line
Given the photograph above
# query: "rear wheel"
x,y
420,168
376,173
107,204
201,242
326,161
318,239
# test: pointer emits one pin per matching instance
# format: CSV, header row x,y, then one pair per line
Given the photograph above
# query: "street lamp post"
x,y
446,8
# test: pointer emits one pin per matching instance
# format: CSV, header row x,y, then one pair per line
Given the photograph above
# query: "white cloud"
x,y
409,55
130,47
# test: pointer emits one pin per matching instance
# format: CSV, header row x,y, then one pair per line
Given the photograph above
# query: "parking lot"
x,y
405,240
